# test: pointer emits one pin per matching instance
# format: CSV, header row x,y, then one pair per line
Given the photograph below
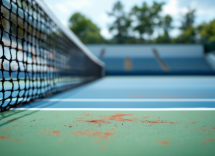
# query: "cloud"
x,y
105,32
68,4
63,9
96,10
172,8
78,4
204,9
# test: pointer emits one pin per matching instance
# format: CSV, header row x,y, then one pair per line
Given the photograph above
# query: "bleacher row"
x,y
178,59
116,66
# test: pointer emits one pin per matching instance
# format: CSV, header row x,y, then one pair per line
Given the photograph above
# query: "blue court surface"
x,y
140,93
117,116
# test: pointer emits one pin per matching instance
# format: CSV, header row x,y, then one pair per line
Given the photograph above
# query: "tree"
x,y
188,20
147,18
188,36
207,30
141,15
85,29
167,25
121,23
189,31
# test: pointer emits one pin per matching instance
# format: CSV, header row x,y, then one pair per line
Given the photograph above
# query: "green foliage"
x,y
188,20
163,39
208,31
147,18
85,29
121,24
205,32
188,31
139,25
166,24
188,36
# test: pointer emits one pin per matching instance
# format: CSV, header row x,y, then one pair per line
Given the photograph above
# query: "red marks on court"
x,y
97,121
145,117
56,116
88,115
3,137
102,147
208,140
116,117
163,142
173,123
12,120
152,122
12,140
120,117
204,131
68,126
57,133
158,121
106,119
88,133
213,127
36,120
54,131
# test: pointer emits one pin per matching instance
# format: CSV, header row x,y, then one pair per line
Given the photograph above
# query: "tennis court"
x,y
56,99
117,116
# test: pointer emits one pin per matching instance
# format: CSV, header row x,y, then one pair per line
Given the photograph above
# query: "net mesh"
x,y
37,58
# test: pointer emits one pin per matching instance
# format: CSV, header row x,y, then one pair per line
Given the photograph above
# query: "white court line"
x,y
129,100
115,109
121,100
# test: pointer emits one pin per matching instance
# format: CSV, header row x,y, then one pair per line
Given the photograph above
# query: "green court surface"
x,y
107,133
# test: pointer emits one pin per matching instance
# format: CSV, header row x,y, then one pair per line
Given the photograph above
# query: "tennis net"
x,y
39,56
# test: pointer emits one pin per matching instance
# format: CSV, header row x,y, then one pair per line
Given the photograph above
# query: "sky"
x,y
96,10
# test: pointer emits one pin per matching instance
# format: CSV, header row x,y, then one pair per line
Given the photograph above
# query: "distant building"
x,y
153,59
